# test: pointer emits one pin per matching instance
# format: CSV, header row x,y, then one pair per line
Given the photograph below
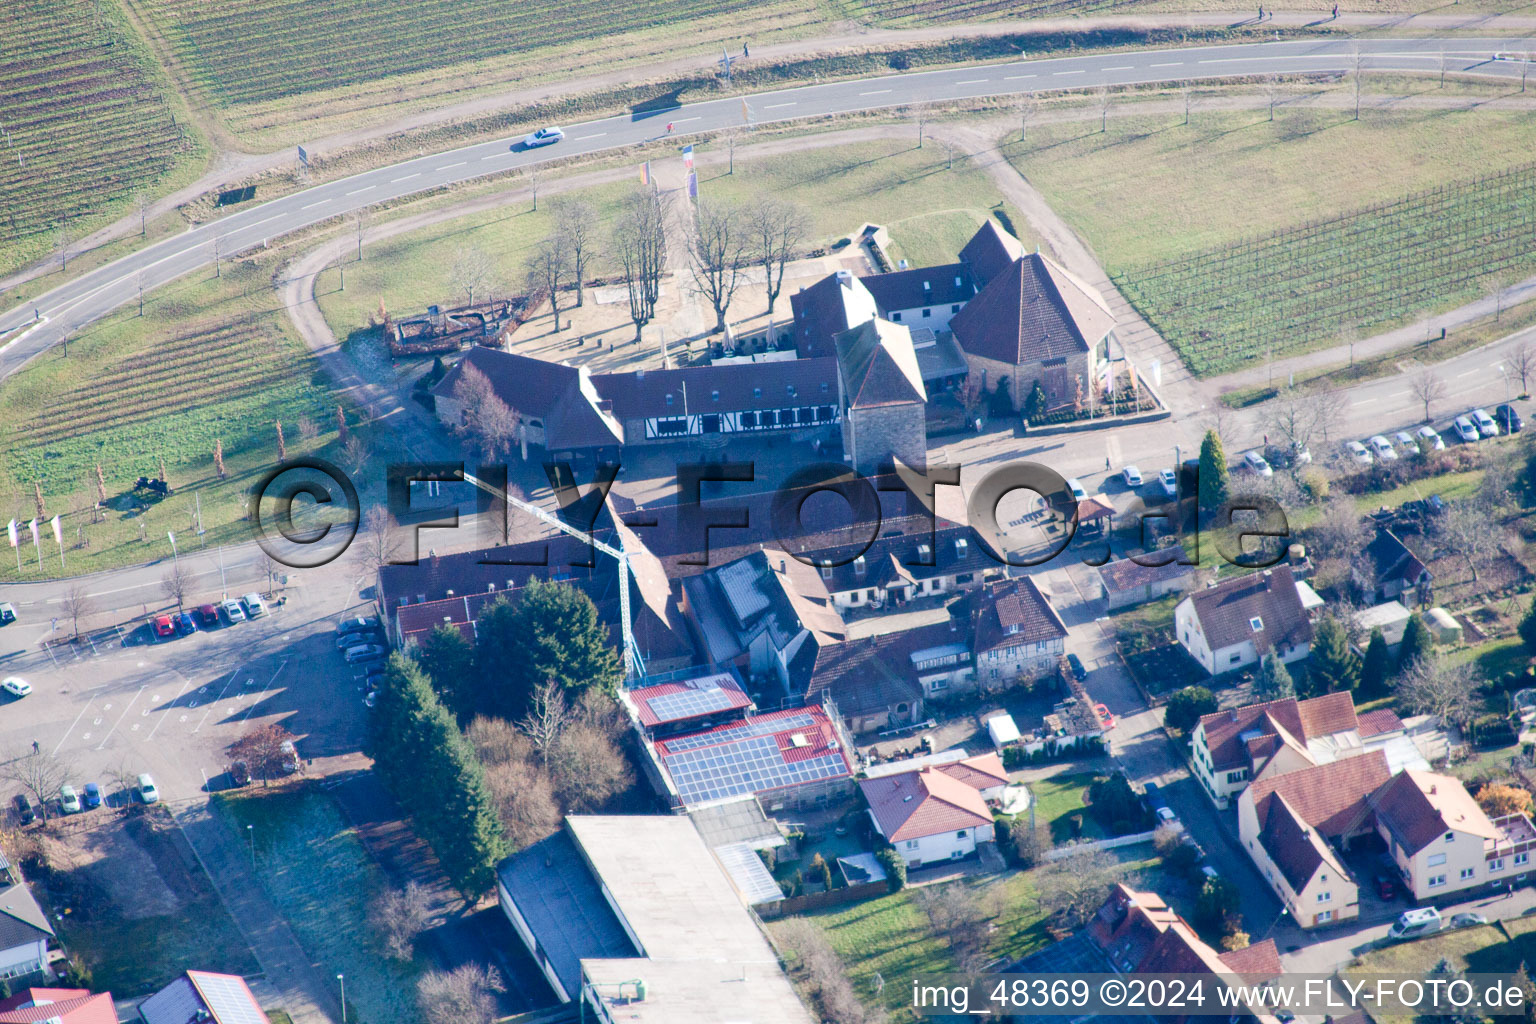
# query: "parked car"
x,y
1359,453
147,790
164,627
185,625
254,606
1423,921
290,757
15,686
1386,883
208,616
1465,430
24,809
1076,487
1508,419
1382,448
1485,424
1104,716
1405,441
1132,476
240,773
7,613
363,652
91,796
357,624
1169,481
1209,872
1254,463
1431,439
233,612
1076,665
354,640
543,137
1165,816
69,800
1467,920
1154,796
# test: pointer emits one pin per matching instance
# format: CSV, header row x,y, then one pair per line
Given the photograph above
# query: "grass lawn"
x,y
322,880
930,209
136,955
1058,799
1482,949
1151,190
1452,486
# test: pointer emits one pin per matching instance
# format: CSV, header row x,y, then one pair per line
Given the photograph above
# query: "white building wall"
x,y
23,959
945,846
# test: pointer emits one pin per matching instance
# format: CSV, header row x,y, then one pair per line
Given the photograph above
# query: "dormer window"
x,y
1257,623
714,396
757,392
791,389
669,399
1013,628
859,566
823,387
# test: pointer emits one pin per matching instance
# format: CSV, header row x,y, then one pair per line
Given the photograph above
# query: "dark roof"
x,y
878,365
22,921
1391,559
765,593
904,289
1226,611
564,907
1302,720
1420,807
1023,316
550,392
1329,797
1131,573
733,387
870,674
820,315
1009,612
938,355
1291,844
894,559
990,251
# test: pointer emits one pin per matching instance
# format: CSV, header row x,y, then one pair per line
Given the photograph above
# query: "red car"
x,y
208,615
163,626
1104,716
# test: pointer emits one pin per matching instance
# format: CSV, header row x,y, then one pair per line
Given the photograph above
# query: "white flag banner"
x,y
11,532
33,527
58,531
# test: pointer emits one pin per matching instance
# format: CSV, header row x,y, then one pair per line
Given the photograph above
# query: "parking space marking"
x,y
128,707
84,708
185,686
203,721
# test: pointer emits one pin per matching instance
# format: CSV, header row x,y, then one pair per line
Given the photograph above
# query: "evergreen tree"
x,y
551,632
1334,666
1528,630
1377,670
1035,406
1185,708
1274,681
448,659
1214,479
1416,643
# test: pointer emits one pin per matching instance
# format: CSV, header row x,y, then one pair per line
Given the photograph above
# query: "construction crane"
x,y
634,665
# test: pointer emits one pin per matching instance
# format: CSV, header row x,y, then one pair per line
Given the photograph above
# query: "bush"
x,y
895,867
1216,905
1501,799
1025,844
1185,708
1165,840
1181,860
1314,484
1234,941
1014,758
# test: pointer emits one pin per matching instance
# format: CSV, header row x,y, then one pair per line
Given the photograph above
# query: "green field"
x,y
1235,235
211,360
85,121
318,874
1058,799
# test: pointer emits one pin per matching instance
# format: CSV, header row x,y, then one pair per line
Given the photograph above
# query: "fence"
x,y
821,900
1100,844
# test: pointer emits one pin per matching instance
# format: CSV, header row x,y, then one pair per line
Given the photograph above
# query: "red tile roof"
x,y
719,691
1258,960
1129,573
1226,611
878,365
1375,723
1017,605
926,802
1303,720
980,772
68,1005
1329,797
1420,807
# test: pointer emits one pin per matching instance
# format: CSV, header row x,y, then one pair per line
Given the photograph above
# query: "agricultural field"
x,y
212,360
924,12
1236,236
85,121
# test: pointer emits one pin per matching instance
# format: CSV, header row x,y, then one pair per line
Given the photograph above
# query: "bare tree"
x,y
717,250
176,584
576,222
1434,685
1075,886
1495,286
548,714
1350,336
62,241
216,249
1471,531
78,604
269,567
263,752
1522,363
956,917
948,146
548,269
1272,93
777,228
1338,532
1102,101
377,545
640,243
1294,418
731,138
308,429
359,226
142,201
486,418
1027,107
1443,62
1357,78
464,995
1189,99
39,773
532,177
587,768
138,282
401,915
471,272
355,454
921,120
1428,387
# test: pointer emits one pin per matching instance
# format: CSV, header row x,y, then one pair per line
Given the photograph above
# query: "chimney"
x,y
1232,715
783,566
1432,788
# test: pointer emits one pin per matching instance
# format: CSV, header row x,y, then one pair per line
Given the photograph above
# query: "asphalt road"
x,y
33,327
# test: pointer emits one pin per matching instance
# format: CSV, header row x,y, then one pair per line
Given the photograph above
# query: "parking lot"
x,y
121,701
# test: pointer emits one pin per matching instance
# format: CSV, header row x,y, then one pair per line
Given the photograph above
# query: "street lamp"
x,y
250,835
1505,374
1276,922
342,980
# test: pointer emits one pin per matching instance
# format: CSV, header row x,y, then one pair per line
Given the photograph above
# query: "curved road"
x,y
30,329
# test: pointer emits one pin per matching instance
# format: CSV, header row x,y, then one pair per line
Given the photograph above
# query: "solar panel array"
x,y
229,999
741,730
690,703
750,765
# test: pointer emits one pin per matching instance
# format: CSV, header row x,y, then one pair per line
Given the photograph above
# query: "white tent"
x,y
1002,730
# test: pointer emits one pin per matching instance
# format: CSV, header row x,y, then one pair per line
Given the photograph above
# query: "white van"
x,y
1076,487
1413,923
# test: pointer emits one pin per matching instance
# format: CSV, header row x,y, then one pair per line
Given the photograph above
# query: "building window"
x,y
1324,897
938,685
1235,776
1236,658
960,834
1436,859
895,318
1450,837
927,313
911,844
1467,873
1324,917
1435,881
955,308
1521,858
1497,864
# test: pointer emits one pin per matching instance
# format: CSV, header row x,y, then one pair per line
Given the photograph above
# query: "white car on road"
x,y
1382,448
542,137
16,686
255,607
1170,482
1465,430
1132,476
1359,453
1076,487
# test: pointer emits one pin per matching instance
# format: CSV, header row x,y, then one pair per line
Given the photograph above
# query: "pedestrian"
x,y
35,748
1335,12
669,127
1261,12
1511,892
744,51
1106,463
